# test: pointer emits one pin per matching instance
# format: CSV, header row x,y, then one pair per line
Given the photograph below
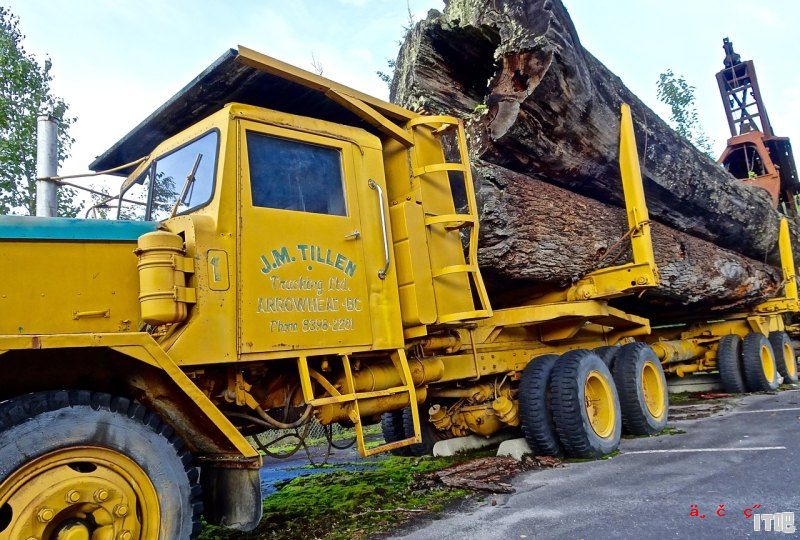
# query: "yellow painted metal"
x,y
371,116
309,277
55,496
599,404
414,278
789,302
57,287
642,272
653,390
454,278
507,410
319,83
142,347
354,397
679,350
162,274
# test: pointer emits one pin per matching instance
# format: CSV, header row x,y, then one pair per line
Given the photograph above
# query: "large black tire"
x,y
571,413
642,389
607,354
48,422
534,407
729,364
785,358
758,363
394,430
430,435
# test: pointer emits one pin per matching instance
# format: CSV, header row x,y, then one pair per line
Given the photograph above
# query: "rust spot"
x,y
36,342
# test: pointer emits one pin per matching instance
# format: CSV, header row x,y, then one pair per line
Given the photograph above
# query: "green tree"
x,y
675,92
24,93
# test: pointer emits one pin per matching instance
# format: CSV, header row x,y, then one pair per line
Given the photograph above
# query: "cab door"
x,y
302,281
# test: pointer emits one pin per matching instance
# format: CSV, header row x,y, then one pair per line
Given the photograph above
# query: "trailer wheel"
x,y
90,466
758,361
394,430
534,407
784,354
585,405
607,354
642,389
729,364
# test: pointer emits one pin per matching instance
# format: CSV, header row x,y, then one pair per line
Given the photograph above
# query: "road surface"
x,y
747,454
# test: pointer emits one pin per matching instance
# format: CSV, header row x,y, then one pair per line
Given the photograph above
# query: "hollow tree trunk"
x,y
538,103
535,234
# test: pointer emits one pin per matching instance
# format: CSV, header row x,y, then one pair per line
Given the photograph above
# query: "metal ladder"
x,y
455,221
351,396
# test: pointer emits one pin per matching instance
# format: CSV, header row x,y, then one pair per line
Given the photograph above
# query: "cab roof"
x,y
245,76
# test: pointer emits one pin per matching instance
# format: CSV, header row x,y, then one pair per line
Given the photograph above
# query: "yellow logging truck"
x,y
287,247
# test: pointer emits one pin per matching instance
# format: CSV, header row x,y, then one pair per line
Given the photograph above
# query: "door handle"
x,y
379,190
355,235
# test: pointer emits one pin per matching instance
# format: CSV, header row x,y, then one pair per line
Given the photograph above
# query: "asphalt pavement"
x,y
744,456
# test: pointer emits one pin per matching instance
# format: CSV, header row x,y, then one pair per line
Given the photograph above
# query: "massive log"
x,y
535,234
537,102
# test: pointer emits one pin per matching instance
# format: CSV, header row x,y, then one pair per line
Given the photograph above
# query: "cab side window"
x,y
292,175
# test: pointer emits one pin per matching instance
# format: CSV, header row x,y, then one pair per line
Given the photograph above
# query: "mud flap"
x,y
231,496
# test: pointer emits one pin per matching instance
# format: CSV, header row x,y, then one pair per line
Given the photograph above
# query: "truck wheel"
x,y
784,354
758,361
534,407
642,389
585,405
607,354
430,435
93,466
394,430
729,364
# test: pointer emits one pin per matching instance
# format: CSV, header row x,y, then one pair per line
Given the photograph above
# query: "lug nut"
x,y
121,510
45,514
101,495
73,496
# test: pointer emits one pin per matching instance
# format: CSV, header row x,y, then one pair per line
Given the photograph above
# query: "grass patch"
x,y
345,505
283,447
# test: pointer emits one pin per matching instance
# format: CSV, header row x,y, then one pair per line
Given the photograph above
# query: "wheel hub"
x,y
767,363
599,403
653,390
79,493
789,359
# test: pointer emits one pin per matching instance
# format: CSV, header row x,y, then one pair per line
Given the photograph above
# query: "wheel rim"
x,y
653,389
767,363
789,360
80,493
599,403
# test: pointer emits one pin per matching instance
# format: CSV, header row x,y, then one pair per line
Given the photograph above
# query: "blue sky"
x,y
116,60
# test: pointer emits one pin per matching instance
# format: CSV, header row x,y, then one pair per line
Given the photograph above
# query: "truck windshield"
x,y
168,179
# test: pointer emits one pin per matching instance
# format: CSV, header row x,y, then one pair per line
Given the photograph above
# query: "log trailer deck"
x,y
749,349
290,247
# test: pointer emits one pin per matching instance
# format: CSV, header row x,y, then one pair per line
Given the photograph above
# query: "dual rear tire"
x,y
573,405
752,364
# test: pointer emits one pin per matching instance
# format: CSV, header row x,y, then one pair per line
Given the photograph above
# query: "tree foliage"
x,y
674,91
24,93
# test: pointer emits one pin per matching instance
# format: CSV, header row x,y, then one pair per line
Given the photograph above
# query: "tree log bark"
x,y
535,234
551,110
